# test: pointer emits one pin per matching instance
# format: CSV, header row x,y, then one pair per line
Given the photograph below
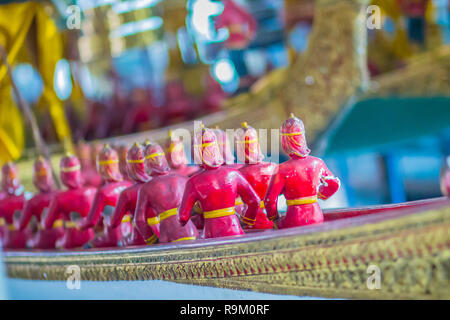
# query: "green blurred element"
x,y
372,124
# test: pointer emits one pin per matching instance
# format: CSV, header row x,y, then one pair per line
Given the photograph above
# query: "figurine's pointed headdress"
x,y
206,149
70,171
108,164
224,145
155,159
247,145
135,163
10,178
293,140
175,152
42,175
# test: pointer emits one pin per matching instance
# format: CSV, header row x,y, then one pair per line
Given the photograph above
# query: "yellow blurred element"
x,y
15,22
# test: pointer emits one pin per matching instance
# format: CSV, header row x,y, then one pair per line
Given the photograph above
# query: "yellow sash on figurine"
x,y
168,213
70,224
58,223
300,201
126,218
249,221
184,239
2,222
219,213
152,221
152,239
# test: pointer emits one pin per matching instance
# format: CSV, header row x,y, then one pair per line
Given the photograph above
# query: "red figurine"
x,y
88,171
225,148
159,198
69,204
216,188
12,203
35,207
257,172
302,180
122,151
228,157
126,205
107,195
176,157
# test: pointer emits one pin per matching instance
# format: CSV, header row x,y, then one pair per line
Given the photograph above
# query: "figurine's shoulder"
x,y
178,177
269,166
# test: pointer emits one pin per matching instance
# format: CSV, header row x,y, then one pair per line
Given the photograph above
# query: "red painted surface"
x,y
75,199
43,180
216,187
107,195
162,193
299,178
12,200
255,171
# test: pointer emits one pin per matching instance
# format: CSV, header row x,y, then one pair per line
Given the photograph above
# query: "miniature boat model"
x,y
407,243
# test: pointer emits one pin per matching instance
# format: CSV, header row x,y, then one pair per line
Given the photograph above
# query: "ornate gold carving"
x,y
424,75
412,252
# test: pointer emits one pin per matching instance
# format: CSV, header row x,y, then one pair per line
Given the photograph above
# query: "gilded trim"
x,y
411,250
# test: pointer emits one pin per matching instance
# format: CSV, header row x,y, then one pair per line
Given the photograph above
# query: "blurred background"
x,y
93,70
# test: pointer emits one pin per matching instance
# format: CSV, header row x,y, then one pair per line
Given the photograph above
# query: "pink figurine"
x,y
35,207
177,158
126,205
216,188
159,198
107,195
88,171
257,172
302,179
122,151
225,150
228,157
10,205
71,204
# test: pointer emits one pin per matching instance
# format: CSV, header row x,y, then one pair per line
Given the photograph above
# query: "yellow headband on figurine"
x,y
292,133
248,141
156,154
206,144
42,172
71,169
105,162
135,161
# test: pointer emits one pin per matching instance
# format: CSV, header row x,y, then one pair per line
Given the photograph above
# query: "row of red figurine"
x,y
157,205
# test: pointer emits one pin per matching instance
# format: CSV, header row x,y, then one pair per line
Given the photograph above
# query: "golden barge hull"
x,y
408,242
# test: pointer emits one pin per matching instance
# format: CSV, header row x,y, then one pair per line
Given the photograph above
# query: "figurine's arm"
x,y
188,201
27,213
329,184
53,213
250,197
140,214
120,210
276,187
94,214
